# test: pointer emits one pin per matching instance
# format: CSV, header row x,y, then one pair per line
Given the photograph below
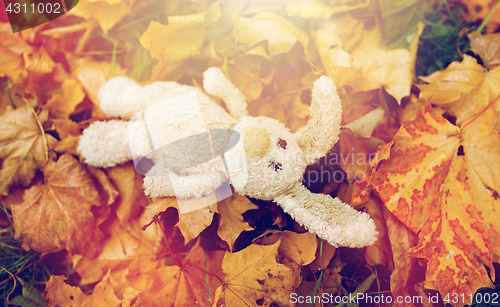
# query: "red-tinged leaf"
x,y
440,181
56,214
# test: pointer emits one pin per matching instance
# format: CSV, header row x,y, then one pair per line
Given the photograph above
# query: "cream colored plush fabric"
x,y
323,129
340,224
265,160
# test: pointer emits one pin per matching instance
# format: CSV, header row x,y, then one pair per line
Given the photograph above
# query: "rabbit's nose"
x,y
256,142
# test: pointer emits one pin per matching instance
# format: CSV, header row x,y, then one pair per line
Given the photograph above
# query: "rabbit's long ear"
x,y
329,218
217,84
323,129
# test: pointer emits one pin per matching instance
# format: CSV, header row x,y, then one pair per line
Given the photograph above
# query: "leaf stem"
x,y
489,105
206,277
10,96
166,241
485,20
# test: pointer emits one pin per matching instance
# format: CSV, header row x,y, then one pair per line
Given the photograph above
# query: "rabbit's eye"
x,y
276,166
282,143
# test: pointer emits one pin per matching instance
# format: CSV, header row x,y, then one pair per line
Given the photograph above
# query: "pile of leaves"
x,y
426,170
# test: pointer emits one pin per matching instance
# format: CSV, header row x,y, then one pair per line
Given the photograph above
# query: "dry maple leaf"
x,y
231,223
191,224
59,293
186,35
440,180
23,147
107,13
56,214
11,49
38,62
254,278
392,69
191,283
62,104
124,244
463,89
279,32
300,248
131,198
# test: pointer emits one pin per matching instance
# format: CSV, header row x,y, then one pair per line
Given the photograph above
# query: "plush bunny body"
x,y
264,161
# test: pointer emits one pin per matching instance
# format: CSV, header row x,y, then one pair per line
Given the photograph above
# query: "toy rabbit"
x,y
262,158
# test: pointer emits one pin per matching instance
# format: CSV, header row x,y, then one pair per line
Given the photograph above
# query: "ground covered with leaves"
x,y
425,165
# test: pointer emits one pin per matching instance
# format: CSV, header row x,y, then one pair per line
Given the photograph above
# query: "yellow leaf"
x,y
59,293
392,69
231,223
62,104
191,223
365,125
298,247
247,73
68,145
280,33
463,88
254,278
106,13
449,85
182,38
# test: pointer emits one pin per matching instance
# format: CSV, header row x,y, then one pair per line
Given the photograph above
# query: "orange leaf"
x,y
62,104
38,62
401,240
184,286
23,147
57,214
131,198
124,243
441,182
